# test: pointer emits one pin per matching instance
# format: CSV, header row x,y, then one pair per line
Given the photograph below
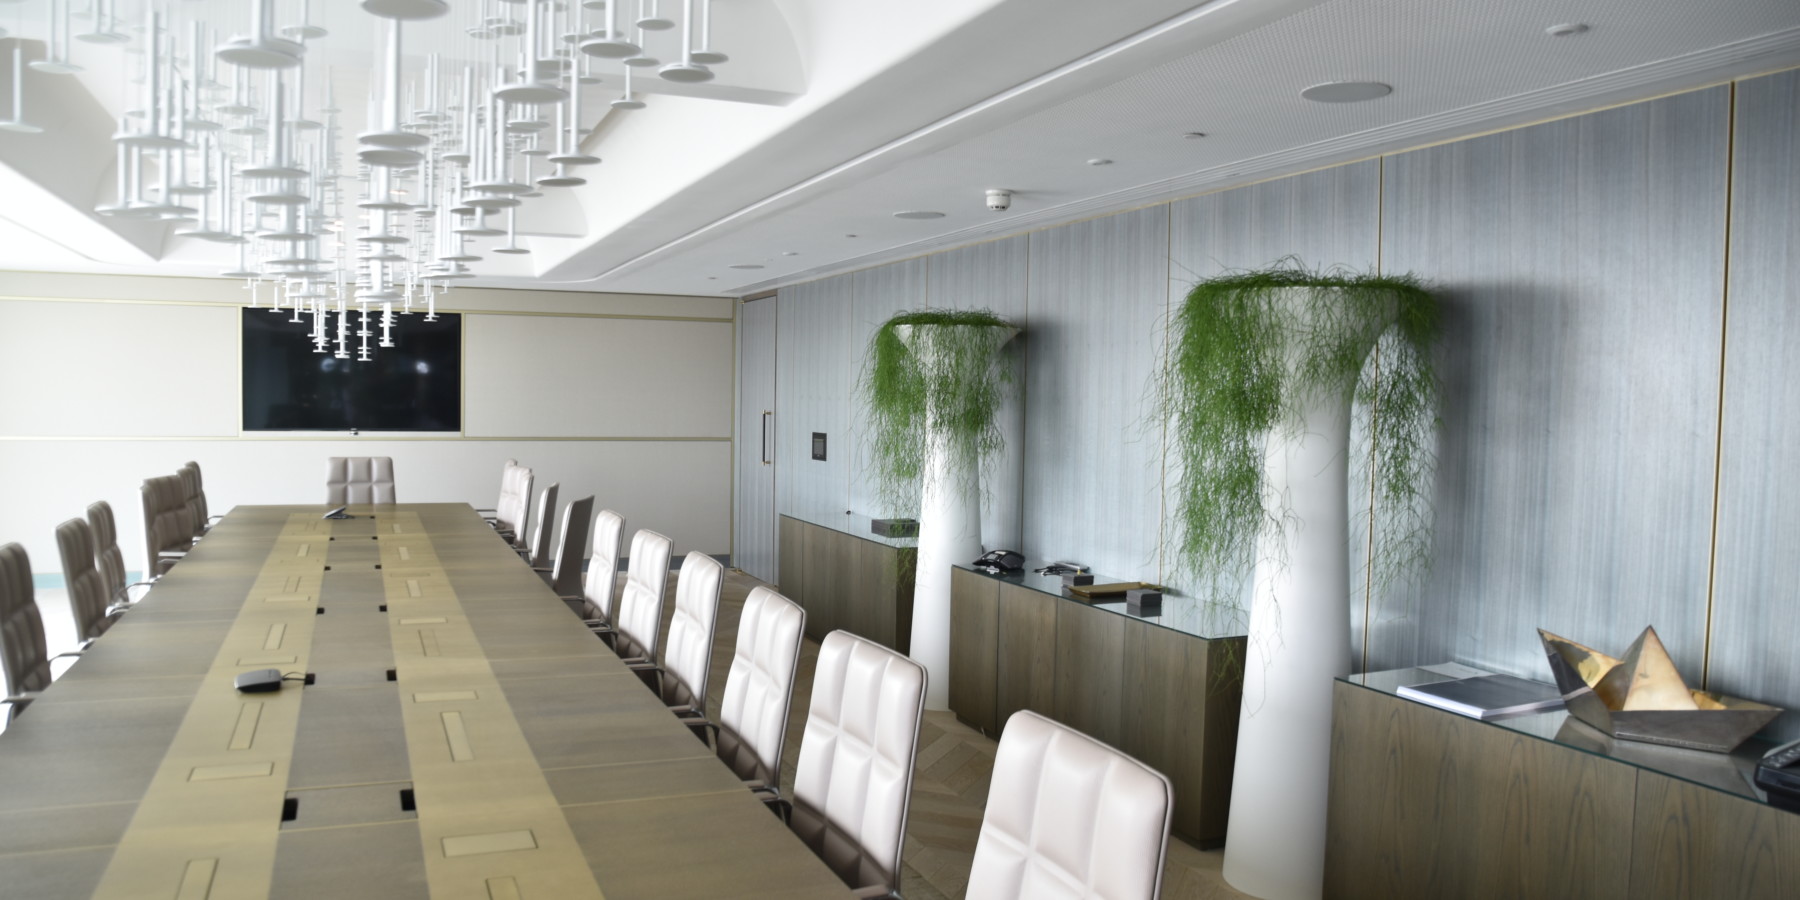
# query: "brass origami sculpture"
x,y
1642,697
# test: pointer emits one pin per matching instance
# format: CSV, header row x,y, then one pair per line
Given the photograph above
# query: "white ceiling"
x,y
834,115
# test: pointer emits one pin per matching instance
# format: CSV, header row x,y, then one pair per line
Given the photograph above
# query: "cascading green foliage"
x,y
951,390
1229,384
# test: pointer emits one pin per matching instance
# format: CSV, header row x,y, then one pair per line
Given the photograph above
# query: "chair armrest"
x,y
687,711
70,653
214,518
171,554
637,661
487,509
123,595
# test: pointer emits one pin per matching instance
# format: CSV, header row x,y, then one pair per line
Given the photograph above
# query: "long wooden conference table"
x,y
464,736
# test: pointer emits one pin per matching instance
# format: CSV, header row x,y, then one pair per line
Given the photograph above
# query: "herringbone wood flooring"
x,y
950,783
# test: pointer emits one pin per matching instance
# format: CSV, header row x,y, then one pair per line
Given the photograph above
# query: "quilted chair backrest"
x,y
641,604
87,590
565,576
165,521
23,659
199,490
514,505
359,480
759,688
1068,816
601,587
687,656
854,775
193,503
108,558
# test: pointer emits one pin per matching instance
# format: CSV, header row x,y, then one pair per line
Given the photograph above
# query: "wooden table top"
x,y
465,737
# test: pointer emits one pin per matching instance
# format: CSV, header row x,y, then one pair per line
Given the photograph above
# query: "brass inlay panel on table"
x,y
503,835
208,824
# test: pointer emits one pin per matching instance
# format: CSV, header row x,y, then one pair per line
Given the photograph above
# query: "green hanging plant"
x,y
951,392
1228,384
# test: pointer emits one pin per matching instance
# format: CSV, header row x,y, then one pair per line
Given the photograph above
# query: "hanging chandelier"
x,y
219,140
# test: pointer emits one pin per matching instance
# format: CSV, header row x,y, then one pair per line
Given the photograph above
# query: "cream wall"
x,y
106,380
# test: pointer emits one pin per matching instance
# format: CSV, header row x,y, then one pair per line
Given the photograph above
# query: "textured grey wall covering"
x,y
753,528
1755,623
1093,460
1582,263
1581,267
818,360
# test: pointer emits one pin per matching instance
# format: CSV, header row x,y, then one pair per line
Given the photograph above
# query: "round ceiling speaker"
x,y
1346,91
406,9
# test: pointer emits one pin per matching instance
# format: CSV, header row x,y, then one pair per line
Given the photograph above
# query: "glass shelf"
x,y
1183,614
1728,773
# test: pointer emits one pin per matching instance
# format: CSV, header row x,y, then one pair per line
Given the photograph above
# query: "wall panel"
x,y
1093,458
754,535
554,376
1580,265
815,335
87,369
1754,629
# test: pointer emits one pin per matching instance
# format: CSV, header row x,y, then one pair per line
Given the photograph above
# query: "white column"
x,y
1299,641
949,533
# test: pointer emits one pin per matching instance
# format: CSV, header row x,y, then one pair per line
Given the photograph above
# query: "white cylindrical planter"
x,y
1299,641
949,533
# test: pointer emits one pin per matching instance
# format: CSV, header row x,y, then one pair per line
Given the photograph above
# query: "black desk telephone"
x,y
1779,775
1008,561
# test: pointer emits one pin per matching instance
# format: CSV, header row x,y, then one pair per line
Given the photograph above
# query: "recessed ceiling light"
x,y
746,266
1194,135
1346,91
1565,29
849,235
1099,162
918,214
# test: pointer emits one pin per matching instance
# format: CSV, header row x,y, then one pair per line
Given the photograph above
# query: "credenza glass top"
x,y
1186,615
1730,773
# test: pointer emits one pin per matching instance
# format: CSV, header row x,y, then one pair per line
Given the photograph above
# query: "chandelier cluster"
x,y
221,141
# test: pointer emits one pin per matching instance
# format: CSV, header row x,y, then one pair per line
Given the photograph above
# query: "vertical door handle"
x,y
767,455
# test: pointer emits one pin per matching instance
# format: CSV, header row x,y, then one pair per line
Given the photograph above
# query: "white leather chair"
x,y
564,575
109,560
598,603
167,532
1069,818
359,480
537,550
24,660
514,506
854,777
759,690
687,654
639,624
88,600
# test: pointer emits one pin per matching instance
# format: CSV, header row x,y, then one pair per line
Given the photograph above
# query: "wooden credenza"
x,y
845,581
1150,686
1429,804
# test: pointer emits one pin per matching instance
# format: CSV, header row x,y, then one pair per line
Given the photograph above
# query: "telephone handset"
x,y
1008,561
1779,775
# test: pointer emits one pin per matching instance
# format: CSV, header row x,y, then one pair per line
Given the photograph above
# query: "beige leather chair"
x,y
1069,817
514,506
759,690
854,777
565,574
639,625
687,655
356,480
88,600
168,534
24,660
537,550
108,558
598,603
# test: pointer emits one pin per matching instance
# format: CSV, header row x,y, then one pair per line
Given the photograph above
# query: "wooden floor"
x,y
949,788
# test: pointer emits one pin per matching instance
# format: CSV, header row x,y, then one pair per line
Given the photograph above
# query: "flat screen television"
x,y
415,385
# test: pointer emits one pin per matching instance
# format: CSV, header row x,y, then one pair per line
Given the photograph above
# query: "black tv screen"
x,y
415,385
